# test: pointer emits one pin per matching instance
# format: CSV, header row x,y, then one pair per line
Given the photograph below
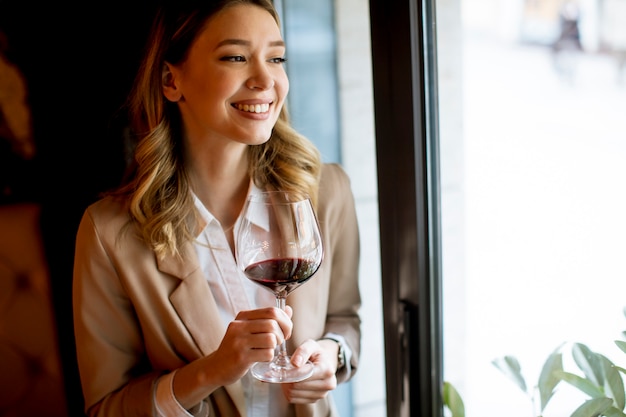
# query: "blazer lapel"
x,y
193,300
194,303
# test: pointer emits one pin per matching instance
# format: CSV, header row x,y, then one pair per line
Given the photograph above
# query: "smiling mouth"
x,y
253,108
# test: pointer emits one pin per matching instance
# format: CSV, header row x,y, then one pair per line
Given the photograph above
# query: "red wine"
x,y
283,275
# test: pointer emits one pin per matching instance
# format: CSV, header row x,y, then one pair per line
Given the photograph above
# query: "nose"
x,y
260,78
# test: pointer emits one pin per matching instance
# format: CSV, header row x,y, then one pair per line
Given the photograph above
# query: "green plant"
x,y
601,380
545,388
452,400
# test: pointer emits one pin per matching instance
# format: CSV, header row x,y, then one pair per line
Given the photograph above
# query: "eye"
x,y
233,58
279,60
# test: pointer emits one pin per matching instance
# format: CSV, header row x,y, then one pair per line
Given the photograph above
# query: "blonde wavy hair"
x,y
157,188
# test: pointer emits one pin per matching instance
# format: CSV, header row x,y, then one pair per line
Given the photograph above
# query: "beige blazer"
x,y
136,317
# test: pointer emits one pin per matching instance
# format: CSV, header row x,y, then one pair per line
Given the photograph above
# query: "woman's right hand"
x,y
252,337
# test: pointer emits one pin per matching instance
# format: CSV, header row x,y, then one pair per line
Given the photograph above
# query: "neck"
x,y
222,186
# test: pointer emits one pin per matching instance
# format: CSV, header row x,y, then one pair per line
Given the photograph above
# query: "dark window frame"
x,y
405,106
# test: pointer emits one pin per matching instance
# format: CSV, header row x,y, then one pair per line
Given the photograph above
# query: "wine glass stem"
x,y
281,359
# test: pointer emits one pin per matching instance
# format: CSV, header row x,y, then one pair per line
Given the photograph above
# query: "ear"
x,y
168,81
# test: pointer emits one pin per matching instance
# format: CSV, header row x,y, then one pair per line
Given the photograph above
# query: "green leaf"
x,y
453,400
614,385
613,412
589,363
547,379
510,367
593,408
621,344
582,384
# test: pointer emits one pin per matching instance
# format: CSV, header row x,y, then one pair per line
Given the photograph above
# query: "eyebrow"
x,y
246,43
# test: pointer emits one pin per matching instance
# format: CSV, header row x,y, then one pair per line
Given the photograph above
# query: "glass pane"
x,y
359,159
311,37
533,202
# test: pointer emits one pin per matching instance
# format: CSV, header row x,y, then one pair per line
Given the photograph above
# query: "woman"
x,y
165,323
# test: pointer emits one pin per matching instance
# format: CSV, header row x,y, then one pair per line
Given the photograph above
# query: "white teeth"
x,y
254,108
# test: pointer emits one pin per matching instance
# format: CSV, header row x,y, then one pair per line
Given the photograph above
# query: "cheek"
x,y
207,84
282,86
214,83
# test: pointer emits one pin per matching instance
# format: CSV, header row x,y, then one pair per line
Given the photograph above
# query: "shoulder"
x,y
105,218
334,180
335,194
108,210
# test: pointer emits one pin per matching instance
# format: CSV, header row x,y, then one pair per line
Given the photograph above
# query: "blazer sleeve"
x,y
338,212
107,331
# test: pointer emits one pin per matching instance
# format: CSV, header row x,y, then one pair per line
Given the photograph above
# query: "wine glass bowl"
x,y
281,276
279,247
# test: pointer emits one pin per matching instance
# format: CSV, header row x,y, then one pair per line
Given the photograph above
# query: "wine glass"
x,y
279,247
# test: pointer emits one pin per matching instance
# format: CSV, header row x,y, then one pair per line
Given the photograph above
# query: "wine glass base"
x,y
267,372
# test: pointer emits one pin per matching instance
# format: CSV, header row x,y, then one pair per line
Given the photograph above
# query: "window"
x,y
532,168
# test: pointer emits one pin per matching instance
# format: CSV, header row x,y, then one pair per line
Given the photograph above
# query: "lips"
x,y
253,108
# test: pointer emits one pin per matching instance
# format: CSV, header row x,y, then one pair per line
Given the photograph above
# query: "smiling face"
x,y
233,83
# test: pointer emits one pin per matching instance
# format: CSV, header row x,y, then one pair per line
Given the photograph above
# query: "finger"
x,y
259,348
263,313
309,391
269,313
263,327
263,348
304,352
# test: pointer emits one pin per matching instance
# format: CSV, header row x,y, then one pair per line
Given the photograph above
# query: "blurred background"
x,y
533,170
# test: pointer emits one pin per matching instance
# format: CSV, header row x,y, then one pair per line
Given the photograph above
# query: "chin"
x,y
259,139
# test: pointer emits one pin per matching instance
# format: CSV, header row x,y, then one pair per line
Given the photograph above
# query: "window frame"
x,y
405,106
